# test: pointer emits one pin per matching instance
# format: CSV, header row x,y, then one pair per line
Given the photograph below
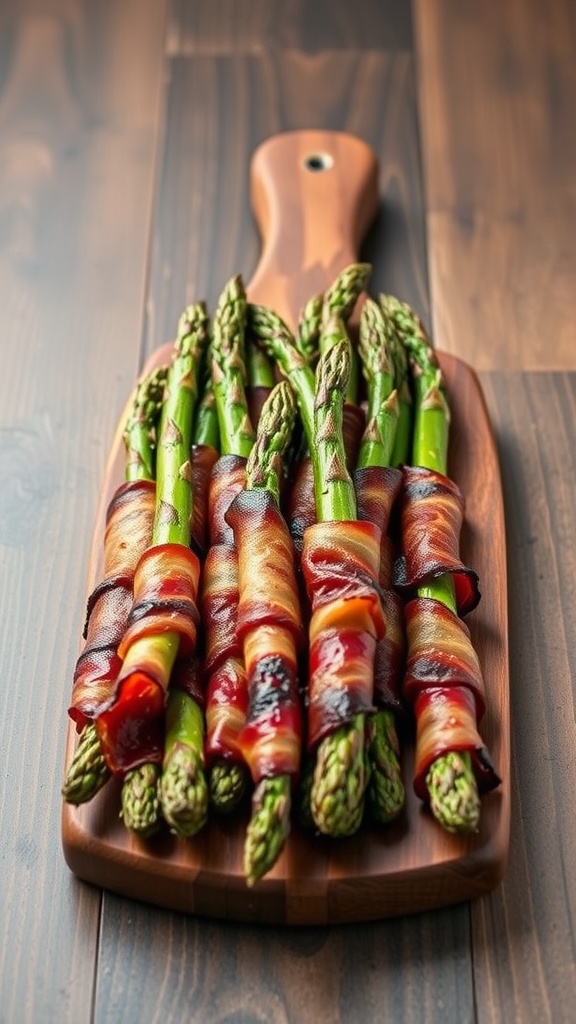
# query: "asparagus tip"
x,y
454,799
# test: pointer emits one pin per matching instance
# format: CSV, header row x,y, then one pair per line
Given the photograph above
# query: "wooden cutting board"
x,y
314,196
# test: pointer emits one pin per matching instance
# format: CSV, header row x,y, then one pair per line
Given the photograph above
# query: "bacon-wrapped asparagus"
x,y
340,562
443,679
163,619
271,631
128,531
227,693
377,485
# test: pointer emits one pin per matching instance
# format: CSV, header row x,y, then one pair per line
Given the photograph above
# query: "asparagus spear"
x,y
140,795
227,776
341,298
454,798
339,780
88,771
339,770
403,435
269,823
385,792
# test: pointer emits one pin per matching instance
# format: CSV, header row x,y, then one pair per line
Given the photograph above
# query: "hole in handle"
x,y
318,162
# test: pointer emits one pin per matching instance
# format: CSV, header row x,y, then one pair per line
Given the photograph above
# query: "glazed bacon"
x,y
270,629
202,460
377,489
340,562
165,601
444,684
301,504
432,511
128,529
226,692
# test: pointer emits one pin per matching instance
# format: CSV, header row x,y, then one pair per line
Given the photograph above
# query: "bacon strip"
x,y
226,686
444,684
270,629
128,529
432,512
227,690
377,488
165,599
340,562
202,459
301,503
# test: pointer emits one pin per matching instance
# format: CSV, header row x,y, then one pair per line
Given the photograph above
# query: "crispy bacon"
x,y
432,511
202,459
224,671
377,488
227,691
301,504
165,599
444,684
129,725
340,562
270,629
128,529
227,479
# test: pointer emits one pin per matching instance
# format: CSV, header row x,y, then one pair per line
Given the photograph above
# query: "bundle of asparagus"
x,y
190,692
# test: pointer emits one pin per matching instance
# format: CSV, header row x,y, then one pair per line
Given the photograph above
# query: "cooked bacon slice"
x,y
202,459
446,721
444,684
301,504
224,671
377,489
227,479
340,562
432,511
271,631
128,530
165,599
227,691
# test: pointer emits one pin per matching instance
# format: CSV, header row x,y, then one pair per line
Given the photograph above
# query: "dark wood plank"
x,y
201,971
219,109
497,87
531,919
79,97
251,26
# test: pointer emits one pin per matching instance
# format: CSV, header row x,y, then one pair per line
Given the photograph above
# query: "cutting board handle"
x,y
314,196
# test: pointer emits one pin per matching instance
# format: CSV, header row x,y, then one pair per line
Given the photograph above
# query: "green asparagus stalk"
x,y
183,789
269,823
339,779
227,778
385,792
403,436
88,772
341,298
307,337
229,373
142,796
454,798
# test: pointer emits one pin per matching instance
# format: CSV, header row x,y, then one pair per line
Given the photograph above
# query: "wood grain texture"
x,y
204,227
79,96
251,26
531,919
497,89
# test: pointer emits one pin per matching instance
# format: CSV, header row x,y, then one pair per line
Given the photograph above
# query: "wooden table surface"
x,y
126,131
